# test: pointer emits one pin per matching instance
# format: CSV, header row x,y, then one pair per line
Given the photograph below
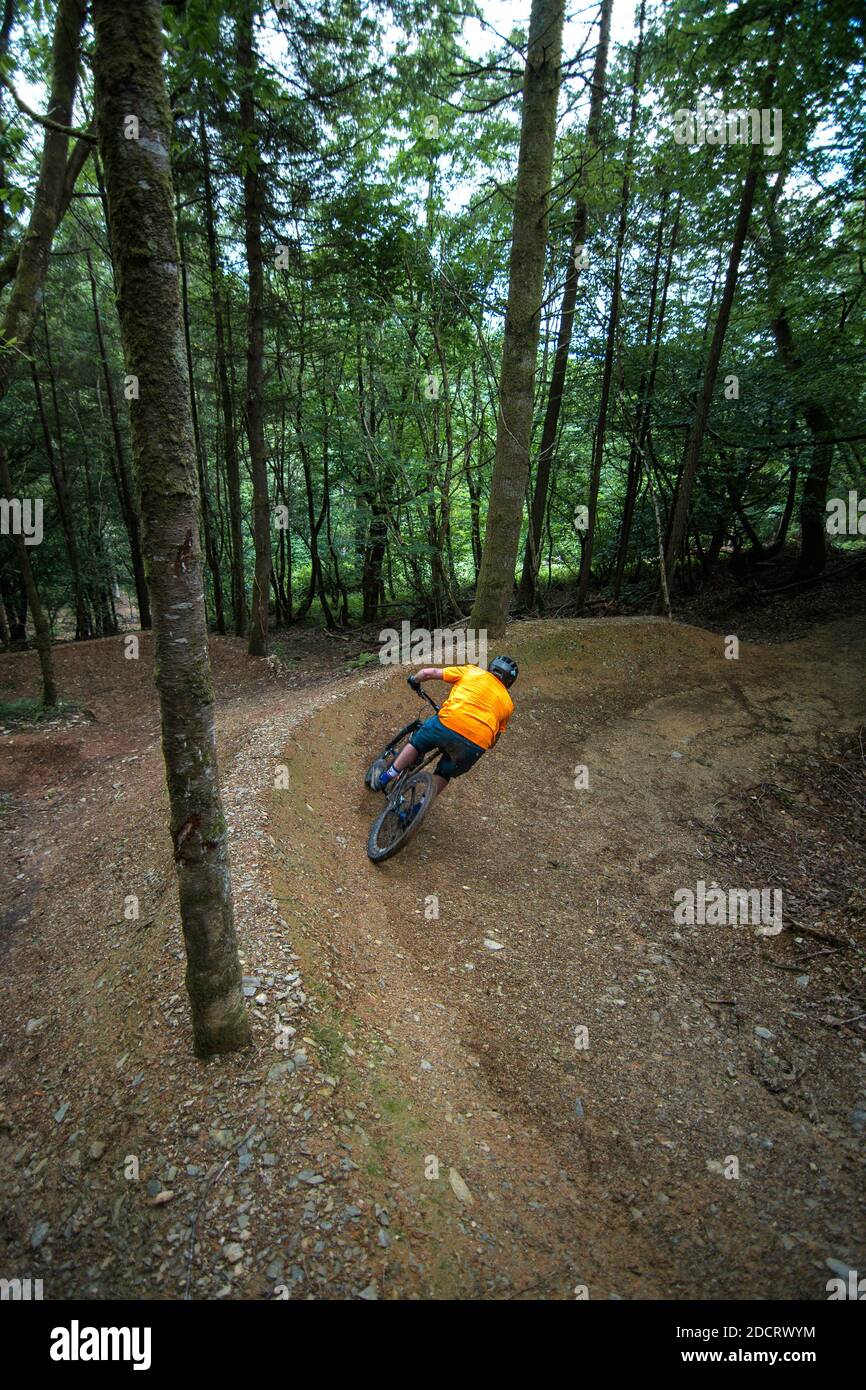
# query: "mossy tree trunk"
x,y
522,317
129,83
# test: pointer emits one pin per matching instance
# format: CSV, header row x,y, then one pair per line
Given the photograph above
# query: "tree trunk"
x,y
813,502
612,329
233,469
31,269
284,494
11,587
128,79
372,485
253,197
532,554
120,472
206,518
339,584
26,295
41,627
787,512
654,328
679,519
522,317
101,590
64,506
317,578
74,165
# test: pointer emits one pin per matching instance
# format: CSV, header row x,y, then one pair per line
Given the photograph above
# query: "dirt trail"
x,y
416,1048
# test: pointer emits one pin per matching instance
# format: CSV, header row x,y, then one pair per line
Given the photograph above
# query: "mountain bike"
x,y
408,799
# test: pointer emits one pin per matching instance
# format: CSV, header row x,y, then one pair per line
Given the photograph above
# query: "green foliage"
x,y
28,712
387,153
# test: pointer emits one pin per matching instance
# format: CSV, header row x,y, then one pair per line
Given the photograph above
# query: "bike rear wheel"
x,y
404,812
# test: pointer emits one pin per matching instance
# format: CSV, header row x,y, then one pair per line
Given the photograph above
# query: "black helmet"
x,y
504,669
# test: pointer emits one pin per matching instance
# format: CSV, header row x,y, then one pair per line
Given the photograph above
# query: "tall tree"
x,y
41,627
25,297
532,554
612,326
60,483
637,447
119,469
201,458
692,458
129,84
230,442
813,512
253,198
541,83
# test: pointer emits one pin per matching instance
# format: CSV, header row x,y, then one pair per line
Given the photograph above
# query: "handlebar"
x,y
428,698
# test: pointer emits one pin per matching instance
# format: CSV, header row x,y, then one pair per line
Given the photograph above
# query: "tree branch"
x,y
45,120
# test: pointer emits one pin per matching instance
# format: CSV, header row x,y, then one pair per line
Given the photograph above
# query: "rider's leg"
x,y
459,755
405,758
425,738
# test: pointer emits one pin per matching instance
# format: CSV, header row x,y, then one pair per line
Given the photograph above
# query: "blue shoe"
x,y
385,780
374,776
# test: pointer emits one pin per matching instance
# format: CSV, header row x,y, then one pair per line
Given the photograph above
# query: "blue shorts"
x,y
460,753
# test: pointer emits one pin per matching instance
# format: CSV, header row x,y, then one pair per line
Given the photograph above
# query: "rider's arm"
x,y
429,673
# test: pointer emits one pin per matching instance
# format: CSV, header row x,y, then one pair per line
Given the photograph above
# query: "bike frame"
x,y
419,762
396,791
429,699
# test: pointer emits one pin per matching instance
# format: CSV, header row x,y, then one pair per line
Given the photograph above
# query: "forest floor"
x,y
439,1125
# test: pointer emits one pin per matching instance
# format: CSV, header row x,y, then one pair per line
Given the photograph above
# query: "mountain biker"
x,y
470,721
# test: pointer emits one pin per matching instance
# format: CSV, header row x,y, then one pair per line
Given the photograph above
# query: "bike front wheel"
x,y
396,825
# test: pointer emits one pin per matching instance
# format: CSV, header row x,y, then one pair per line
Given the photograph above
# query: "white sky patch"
x,y
580,33
502,15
